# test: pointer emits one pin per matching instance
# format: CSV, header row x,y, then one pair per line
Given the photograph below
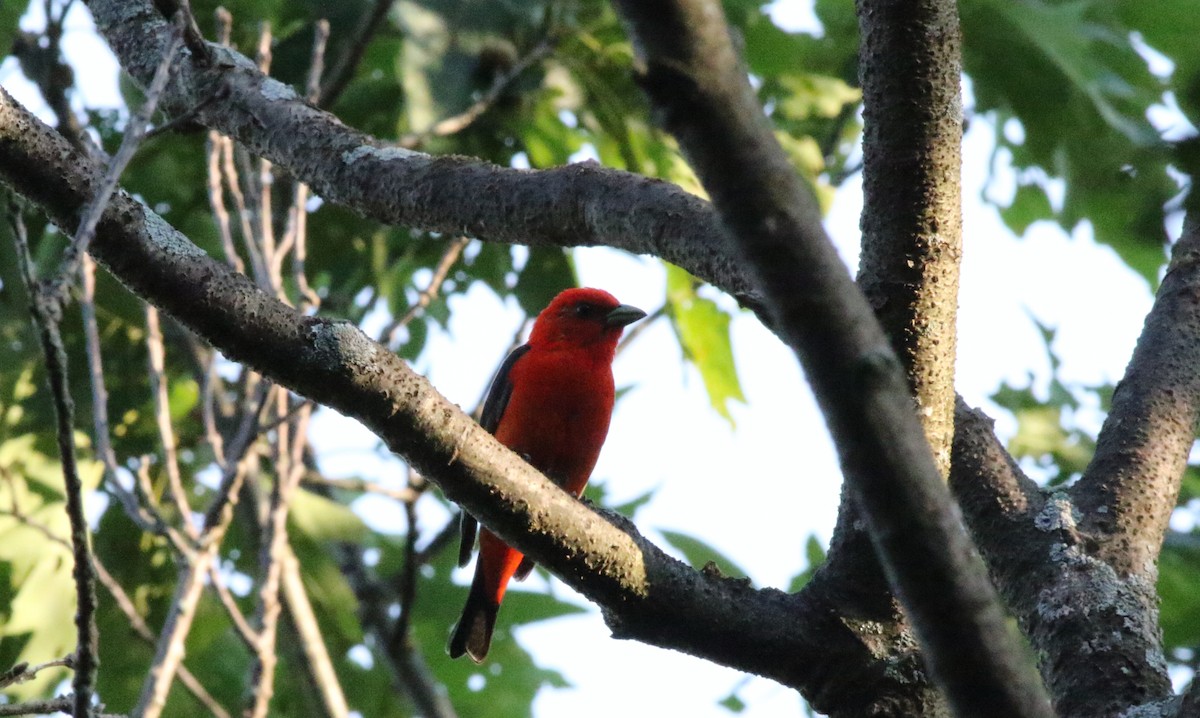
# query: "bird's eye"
x,y
584,310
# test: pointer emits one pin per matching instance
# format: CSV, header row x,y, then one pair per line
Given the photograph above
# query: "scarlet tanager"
x,y
551,402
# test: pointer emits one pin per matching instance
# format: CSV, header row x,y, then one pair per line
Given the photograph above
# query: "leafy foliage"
x,y
1068,84
1113,162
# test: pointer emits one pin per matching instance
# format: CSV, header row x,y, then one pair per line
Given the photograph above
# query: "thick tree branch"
x,y
576,205
646,594
1070,603
909,272
698,83
910,68
1129,489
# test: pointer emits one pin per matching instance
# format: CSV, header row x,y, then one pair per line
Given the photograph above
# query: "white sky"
x,y
758,491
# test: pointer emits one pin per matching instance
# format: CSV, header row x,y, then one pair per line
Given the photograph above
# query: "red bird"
x,y
551,402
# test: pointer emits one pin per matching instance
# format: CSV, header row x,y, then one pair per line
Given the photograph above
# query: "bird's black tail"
x,y
473,634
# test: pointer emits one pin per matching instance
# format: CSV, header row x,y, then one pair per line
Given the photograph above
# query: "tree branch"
x,y
910,70
355,47
646,594
700,88
576,205
1069,602
909,274
304,619
1130,487
46,313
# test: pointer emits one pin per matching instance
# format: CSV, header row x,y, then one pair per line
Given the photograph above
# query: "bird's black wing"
x,y
493,410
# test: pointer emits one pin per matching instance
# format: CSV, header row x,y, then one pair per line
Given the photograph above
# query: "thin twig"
x,y
233,184
46,314
146,500
208,410
343,70
162,416
186,677
440,272
134,132
261,189
62,704
441,540
360,485
304,619
407,588
43,63
241,626
409,672
145,519
274,547
24,672
169,652
463,120
214,149
295,238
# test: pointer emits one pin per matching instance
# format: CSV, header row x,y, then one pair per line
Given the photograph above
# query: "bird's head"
x,y
583,317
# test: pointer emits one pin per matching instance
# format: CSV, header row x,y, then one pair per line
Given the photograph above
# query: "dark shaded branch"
x,y
180,11
908,271
409,672
24,672
1191,700
700,87
344,67
46,314
576,205
61,704
1129,489
135,131
646,594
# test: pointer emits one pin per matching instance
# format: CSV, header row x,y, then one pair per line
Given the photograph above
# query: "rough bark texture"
x,y
1095,631
699,86
1078,567
1129,489
577,205
910,67
645,594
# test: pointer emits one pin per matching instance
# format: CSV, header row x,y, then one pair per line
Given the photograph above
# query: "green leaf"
x,y
324,520
703,331
1179,588
182,397
814,552
1171,27
631,507
547,272
732,703
699,554
1081,92
1028,206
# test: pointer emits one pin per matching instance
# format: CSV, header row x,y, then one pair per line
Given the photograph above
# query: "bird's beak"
x,y
623,315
